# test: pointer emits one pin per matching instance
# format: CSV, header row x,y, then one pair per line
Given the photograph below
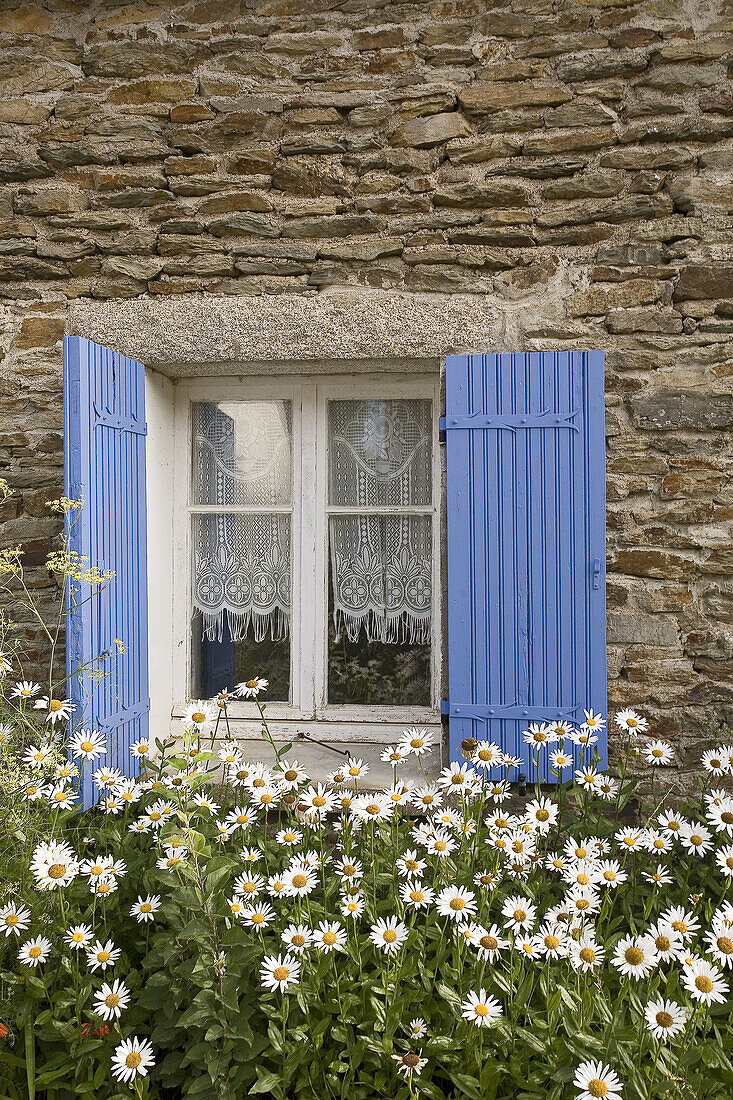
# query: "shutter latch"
x,y
596,572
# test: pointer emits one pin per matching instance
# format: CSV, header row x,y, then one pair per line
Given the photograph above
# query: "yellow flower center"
x,y
539,736
11,920
133,1060
582,880
587,954
703,984
662,943
725,945
440,845
252,683
103,956
298,940
634,956
155,816
416,743
319,801
60,796
520,915
389,936
484,754
25,691
349,869
330,938
77,937
582,903
457,904
581,853
34,952
55,705
696,839
543,815
416,895
86,746
552,942
300,881
112,1001
57,870
146,907
596,1087
457,778
103,888
727,817
481,1010
258,918
291,775
280,973
198,717
258,783
664,1019
679,926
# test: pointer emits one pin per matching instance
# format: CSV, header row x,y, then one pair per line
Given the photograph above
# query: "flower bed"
x,y
218,927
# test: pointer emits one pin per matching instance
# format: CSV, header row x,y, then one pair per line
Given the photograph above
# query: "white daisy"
x,y
24,690
57,710
417,1028
519,913
111,1000
714,762
487,754
659,753
78,937
249,885
539,736
300,880
635,956
440,843
316,801
481,1009
670,822
667,941
132,1058
329,936
279,972
409,865
53,865
593,721
34,952
696,838
39,756
100,955
720,945
585,952
174,854
724,859
88,744
145,909
297,937
250,689
60,796
372,807
258,916
682,921
541,813
658,877
388,935
705,982
416,741
352,906
611,874
455,777
553,941
630,721
665,1019
415,895
720,816
594,1080
291,775
561,760
14,919
199,716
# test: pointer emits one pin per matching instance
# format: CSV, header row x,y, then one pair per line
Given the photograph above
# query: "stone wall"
x,y
576,153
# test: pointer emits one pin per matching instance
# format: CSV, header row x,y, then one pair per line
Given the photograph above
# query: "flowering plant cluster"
x,y
219,924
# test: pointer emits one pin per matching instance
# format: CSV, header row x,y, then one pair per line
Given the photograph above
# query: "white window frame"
x,y
308,713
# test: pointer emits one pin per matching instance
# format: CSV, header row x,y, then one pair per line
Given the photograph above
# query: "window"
x,y
306,537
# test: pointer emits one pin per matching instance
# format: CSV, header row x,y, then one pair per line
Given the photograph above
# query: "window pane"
x,y
241,457
380,453
241,453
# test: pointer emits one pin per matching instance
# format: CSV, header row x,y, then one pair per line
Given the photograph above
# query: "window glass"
x,y
380,551
241,492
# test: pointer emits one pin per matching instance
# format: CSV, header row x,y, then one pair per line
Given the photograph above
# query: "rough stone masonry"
x,y
577,152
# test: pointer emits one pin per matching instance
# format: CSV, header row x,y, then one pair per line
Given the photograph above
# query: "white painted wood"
x,y
308,709
159,412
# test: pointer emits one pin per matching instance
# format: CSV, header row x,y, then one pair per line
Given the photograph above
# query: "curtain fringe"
x,y
385,627
248,624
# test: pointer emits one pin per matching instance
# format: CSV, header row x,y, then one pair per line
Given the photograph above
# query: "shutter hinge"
x,y
441,430
444,711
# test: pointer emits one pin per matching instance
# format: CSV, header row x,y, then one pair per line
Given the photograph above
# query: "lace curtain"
x,y
241,560
380,455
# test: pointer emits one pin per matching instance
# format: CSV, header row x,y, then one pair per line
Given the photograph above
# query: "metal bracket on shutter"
x,y
122,717
108,419
512,422
511,711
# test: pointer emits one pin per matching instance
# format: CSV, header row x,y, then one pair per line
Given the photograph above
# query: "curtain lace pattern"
x,y
380,455
242,560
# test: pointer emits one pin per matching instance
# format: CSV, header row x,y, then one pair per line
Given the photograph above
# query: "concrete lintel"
x,y
221,334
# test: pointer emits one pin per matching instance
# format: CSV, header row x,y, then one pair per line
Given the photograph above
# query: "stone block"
x,y
347,225
641,628
648,562
424,133
40,332
644,320
481,97
670,410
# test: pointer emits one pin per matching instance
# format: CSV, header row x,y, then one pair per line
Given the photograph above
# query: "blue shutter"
x,y
526,544
104,465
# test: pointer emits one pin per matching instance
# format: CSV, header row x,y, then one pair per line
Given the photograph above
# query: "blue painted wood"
x,y
525,452
104,465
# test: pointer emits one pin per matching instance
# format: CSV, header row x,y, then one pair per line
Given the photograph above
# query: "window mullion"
x,y
306,672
